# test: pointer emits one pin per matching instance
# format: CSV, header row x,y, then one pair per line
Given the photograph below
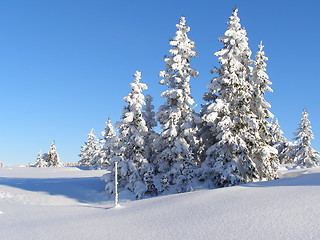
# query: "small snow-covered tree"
x,y
279,142
40,161
129,145
304,154
108,132
228,114
115,156
178,140
102,156
88,150
149,179
52,156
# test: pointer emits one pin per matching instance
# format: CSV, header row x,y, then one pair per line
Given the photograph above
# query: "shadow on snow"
x,y
292,179
85,190
91,189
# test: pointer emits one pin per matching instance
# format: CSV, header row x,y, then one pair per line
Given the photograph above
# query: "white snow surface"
x,y
70,203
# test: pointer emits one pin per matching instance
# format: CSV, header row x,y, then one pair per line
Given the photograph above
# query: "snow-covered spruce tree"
x,y
129,145
40,161
178,142
279,142
96,158
261,84
115,156
149,117
52,156
265,155
101,158
88,150
304,154
108,132
228,114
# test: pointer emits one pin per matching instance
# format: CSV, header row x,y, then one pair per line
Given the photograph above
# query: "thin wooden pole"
x,y
116,198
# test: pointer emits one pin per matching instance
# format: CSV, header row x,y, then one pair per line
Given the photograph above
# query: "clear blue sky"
x,y
65,65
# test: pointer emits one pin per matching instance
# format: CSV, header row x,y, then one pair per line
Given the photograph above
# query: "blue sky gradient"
x,y
65,65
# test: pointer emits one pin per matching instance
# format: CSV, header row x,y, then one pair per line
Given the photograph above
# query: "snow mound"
x,y
5,195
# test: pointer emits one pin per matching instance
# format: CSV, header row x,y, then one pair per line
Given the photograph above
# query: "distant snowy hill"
x,y
70,203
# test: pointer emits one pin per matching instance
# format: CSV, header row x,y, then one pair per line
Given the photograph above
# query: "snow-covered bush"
x,y
70,164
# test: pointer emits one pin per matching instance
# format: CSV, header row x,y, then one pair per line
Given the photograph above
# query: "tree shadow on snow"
x,y
85,190
290,180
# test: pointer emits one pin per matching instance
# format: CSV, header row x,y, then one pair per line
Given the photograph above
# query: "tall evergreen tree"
x,y
52,156
88,150
261,84
129,145
304,154
228,113
177,144
264,154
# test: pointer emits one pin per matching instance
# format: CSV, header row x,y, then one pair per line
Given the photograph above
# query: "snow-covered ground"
x,y
70,203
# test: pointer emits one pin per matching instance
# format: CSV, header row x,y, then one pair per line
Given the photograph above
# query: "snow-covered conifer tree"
x,y
304,154
149,117
102,156
130,143
178,142
40,161
88,150
279,142
108,132
228,114
52,156
265,155
261,84
115,156
45,158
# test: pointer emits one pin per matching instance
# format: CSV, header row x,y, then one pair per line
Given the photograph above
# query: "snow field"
x,y
70,203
